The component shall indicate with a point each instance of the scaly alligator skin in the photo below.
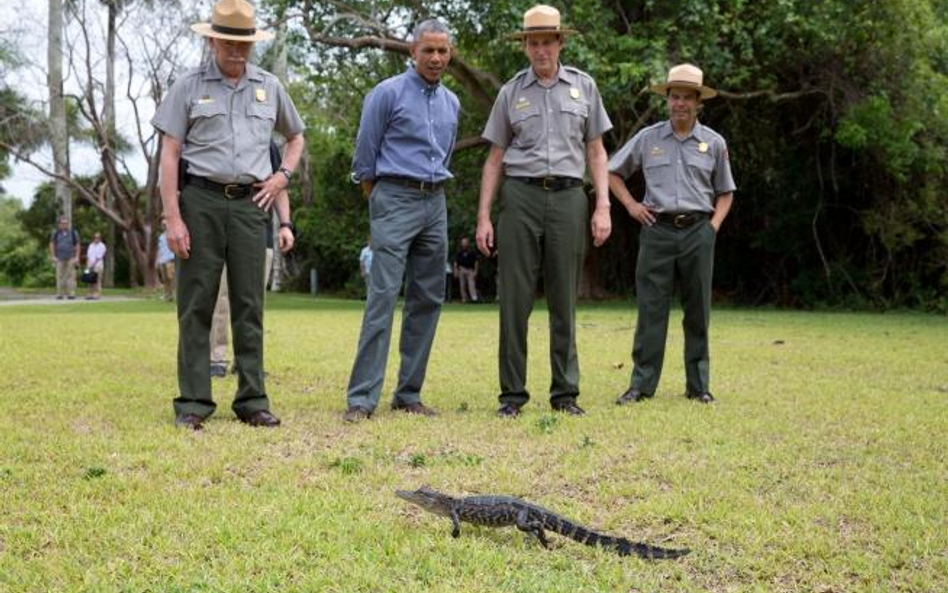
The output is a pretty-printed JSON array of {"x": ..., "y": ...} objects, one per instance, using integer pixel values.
[{"x": 503, "y": 511}]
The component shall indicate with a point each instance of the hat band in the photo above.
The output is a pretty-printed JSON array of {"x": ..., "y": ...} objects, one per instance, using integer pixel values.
[
  {"x": 233, "y": 30},
  {"x": 541, "y": 29}
]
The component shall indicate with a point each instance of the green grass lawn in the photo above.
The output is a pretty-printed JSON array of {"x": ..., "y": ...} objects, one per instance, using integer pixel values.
[{"x": 821, "y": 468}]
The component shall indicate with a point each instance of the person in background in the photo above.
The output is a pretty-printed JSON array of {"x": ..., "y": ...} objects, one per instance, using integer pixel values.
[
  {"x": 465, "y": 270},
  {"x": 64, "y": 250},
  {"x": 95, "y": 262},
  {"x": 165, "y": 264}
]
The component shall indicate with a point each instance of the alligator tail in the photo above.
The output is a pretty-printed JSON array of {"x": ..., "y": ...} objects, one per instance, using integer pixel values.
[{"x": 620, "y": 545}]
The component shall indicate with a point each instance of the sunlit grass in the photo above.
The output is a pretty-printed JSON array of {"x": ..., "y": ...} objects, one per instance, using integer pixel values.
[{"x": 821, "y": 468}]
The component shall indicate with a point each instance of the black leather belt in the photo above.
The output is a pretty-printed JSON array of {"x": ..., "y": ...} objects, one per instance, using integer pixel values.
[
  {"x": 231, "y": 191},
  {"x": 551, "y": 183},
  {"x": 426, "y": 186},
  {"x": 681, "y": 220}
]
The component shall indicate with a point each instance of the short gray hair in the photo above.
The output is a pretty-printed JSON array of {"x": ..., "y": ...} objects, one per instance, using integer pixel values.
[{"x": 431, "y": 26}]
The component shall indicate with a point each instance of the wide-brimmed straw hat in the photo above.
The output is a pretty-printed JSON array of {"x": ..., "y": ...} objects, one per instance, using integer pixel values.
[
  {"x": 685, "y": 76},
  {"x": 539, "y": 20},
  {"x": 232, "y": 20}
]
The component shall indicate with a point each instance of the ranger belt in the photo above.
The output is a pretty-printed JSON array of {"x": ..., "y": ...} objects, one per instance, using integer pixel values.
[
  {"x": 231, "y": 191},
  {"x": 681, "y": 220},
  {"x": 551, "y": 183},
  {"x": 426, "y": 186}
]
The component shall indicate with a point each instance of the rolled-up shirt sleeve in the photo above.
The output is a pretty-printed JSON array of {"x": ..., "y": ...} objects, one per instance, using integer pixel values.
[
  {"x": 375, "y": 112},
  {"x": 628, "y": 160},
  {"x": 498, "y": 130},
  {"x": 171, "y": 117},
  {"x": 723, "y": 179}
]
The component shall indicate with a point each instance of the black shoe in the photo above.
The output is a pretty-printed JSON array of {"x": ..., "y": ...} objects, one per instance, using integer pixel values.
[
  {"x": 704, "y": 398},
  {"x": 509, "y": 411},
  {"x": 569, "y": 406},
  {"x": 218, "y": 369},
  {"x": 59, "y": 297},
  {"x": 261, "y": 418},
  {"x": 631, "y": 396},
  {"x": 356, "y": 414},
  {"x": 189, "y": 421}
]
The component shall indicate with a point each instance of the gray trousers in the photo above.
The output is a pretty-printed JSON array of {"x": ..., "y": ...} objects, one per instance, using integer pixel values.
[
  {"x": 409, "y": 240},
  {"x": 65, "y": 278}
]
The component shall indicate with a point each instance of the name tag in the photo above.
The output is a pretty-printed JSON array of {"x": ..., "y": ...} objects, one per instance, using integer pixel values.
[
  {"x": 205, "y": 100},
  {"x": 522, "y": 103}
]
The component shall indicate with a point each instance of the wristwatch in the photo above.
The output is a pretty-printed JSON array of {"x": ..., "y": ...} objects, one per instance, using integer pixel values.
[
  {"x": 287, "y": 173},
  {"x": 288, "y": 225}
]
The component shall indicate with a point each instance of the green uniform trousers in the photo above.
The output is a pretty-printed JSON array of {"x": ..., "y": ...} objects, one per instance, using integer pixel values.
[
  {"x": 232, "y": 232},
  {"x": 667, "y": 253},
  {"x": 539, "y": 231}
]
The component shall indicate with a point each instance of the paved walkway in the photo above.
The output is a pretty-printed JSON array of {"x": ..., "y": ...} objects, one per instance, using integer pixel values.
[{"x": 9, "y": 297}]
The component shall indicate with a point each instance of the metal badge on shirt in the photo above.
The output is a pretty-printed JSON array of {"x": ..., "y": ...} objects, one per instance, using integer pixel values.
[
  {"x": 260, "y": 95},
  {"x": 703, "y": 147}
]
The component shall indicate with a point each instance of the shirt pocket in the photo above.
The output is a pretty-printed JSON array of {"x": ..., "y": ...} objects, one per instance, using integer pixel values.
[
  {"x": 261, "y": 118},
  {"x": 700, "y": 168},
  {"x": 527, "y": 127},
  {"x": 658, "y": 171},
  {"x": 574, "y": 116},
  {"x": 207, "y": 123}
]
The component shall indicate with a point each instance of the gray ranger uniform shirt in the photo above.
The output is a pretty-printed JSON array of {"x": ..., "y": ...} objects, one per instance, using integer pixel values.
[
  {"x": 545, "y": 130},
  {"x": 224, "y": 129},
  {"x": 680, "y": 175}
]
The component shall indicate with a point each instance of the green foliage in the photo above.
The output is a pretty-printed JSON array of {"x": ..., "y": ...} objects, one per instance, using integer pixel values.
[
  {"x": 836, "y": 116},
  {"x": 21, "y": 258}
]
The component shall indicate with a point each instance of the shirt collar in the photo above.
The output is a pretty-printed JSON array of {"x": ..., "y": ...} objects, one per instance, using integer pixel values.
[
  {"x": 251, "y": 72},
  {"x": 697, "y": 131},
  {"x": 421, "y": 83},
  {"x": 561, "y": 74}
]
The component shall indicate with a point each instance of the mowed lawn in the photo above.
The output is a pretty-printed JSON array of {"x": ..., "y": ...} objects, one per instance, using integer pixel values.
[{"x": 821, "y": 468}]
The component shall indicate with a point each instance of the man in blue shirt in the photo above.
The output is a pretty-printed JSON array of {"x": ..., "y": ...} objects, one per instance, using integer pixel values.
[{"x": 403, "y": 149}]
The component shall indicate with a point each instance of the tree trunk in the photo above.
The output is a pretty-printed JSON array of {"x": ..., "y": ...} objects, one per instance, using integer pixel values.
[
  {"x": 108, "y": 279},
  {"x": 279, "y": 70},
  {"x": 57, "y": 107}
]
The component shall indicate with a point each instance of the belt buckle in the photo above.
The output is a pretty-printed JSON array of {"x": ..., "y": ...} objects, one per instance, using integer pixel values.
[
  {"x": 424, "y": 186},
  {"x": 548, "y": 183},
  {"x": 680, "y": 221},
  {"x": 228, "y": 188}
]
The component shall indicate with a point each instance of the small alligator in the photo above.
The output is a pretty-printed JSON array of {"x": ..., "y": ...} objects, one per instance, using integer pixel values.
[{"x": 503, "y": 511}]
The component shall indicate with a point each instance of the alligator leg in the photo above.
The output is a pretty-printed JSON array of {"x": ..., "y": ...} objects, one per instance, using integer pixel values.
[
  {"x": 456, "y": 524},
  {"x": 534, "y": 528}
]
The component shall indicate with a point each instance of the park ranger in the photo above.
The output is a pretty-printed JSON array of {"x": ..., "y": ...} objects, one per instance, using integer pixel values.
[
  {"x": 219, "y": 118},
  {"x": 545, "y": 127},
  {"x": 688, "y": 193}
]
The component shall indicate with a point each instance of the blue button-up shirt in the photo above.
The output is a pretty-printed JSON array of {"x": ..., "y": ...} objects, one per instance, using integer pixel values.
[{"x": 407, "y": 129}]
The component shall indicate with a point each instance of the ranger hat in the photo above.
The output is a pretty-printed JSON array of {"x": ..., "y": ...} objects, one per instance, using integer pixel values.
[
  {"x": 539, "y": 20},
  {"x": 232, "y": 20},
  {"x": 685, "y": 76}
]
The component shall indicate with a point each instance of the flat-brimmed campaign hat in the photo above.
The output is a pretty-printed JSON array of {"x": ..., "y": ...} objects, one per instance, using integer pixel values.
[
  {"x": 685, "y": 76},
  {"x": 539, "y": 20},
  {"x": 232, "y": 20}
]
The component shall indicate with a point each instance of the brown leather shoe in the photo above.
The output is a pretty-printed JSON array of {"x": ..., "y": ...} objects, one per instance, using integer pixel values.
[
  {"x": 570, "y": 407},
  {"x": 189, "y": 421},
  {"x": 261, "y": 418},
  {"x": 415, "y": 408},
  {"x": 632, "y": 396},
  {"x": 704, "y": 398},
  {"x": 509, "y": 411},
  {"x": 356, "y": 414}
]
